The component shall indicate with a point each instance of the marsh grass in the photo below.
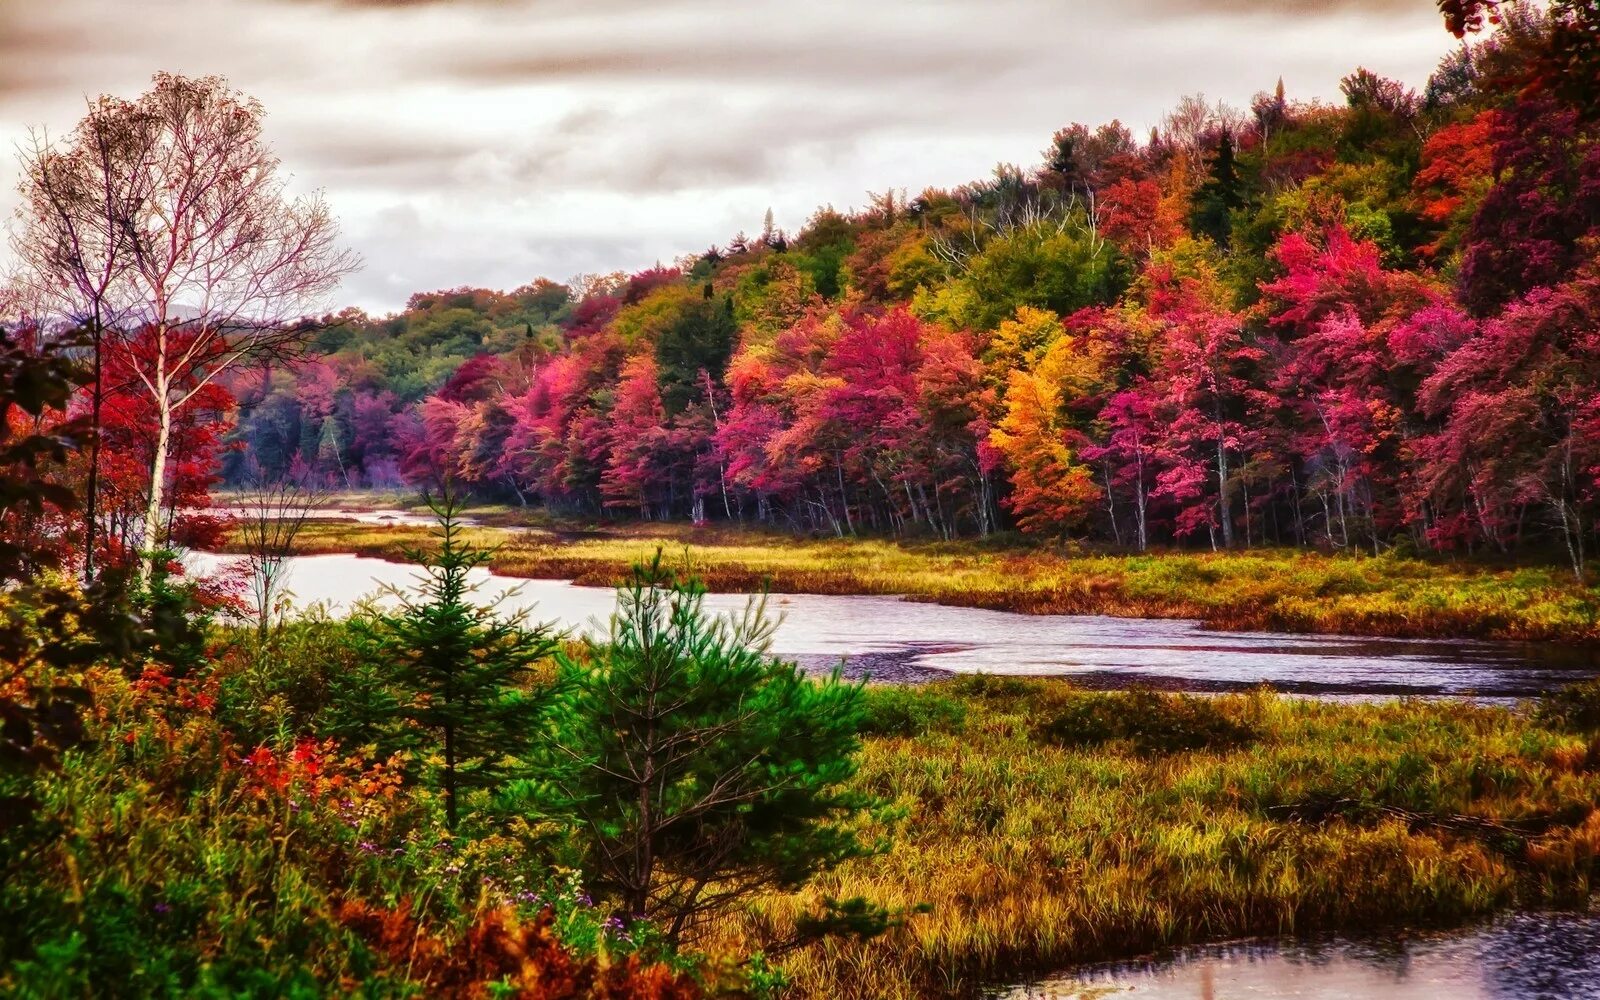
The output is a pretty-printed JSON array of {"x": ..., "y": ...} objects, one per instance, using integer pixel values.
[
  {"x": 1035, "y": 855},
  {"x": 1266, "y": 590}
]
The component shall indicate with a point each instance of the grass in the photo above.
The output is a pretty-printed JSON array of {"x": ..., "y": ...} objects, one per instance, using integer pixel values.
[
  {"x": 1037, "y": 848},
  {"x": 1266, "y": 590}
]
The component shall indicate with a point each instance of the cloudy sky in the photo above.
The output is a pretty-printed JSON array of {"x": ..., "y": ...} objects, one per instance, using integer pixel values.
[{"x": 488, "y": 142}]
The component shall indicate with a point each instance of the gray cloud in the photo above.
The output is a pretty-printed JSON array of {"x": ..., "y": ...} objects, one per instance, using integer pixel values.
[
  {"x": 489, "y": 141},
  {"x": 1280, "y": 8}
]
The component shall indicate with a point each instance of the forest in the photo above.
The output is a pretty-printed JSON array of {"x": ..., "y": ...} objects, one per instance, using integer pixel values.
[
  {"x": 1361, "y": 339},
  {"x": 1354, "y": 327}
]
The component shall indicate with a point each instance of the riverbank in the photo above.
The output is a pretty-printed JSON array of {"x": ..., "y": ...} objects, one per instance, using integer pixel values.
[
  {"x": 1259, "y": 590},
  {"x": 1045, "y": 827}
]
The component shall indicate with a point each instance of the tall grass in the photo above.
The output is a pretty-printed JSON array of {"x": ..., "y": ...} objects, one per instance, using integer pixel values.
[{"x": 1035, "y": 852}]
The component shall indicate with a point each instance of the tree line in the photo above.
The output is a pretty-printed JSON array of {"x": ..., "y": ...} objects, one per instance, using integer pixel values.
[{"x": 1352, "y": 326}]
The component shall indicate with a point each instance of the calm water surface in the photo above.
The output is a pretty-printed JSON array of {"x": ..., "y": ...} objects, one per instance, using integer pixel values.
[
  {"x": 387, "y": 517},
  {"x": 1528, "y": 956},
  {"x": 895, "y": 639}
]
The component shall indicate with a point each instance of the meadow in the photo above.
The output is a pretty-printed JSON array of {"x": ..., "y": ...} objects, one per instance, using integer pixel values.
[
  {"x": 1286, "y": 590},
  {"x": 1043, "y": 827}
]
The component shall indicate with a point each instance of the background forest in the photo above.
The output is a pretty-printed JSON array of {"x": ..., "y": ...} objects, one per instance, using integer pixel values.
[{"x": 1354, "y": 327}]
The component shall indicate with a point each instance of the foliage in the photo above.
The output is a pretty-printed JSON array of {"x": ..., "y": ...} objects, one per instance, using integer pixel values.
[
  {"x": 1151, "y": 723},
  {"x": 1233, "y": 334},
  {"x": 49, "y": 630},
  {"x": 186, "y": 864}
]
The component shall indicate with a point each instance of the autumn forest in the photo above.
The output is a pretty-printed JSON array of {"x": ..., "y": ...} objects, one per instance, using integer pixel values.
[
  {"x": 1349, "y": 327},
  {"x": 1166, "y": 566}
]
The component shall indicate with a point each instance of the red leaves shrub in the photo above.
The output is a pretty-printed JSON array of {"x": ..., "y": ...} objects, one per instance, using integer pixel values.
[{"x": 501, "y": 955}]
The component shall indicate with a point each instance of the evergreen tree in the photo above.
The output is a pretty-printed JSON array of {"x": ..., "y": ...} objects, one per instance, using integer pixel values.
[
  {"x": 700, "y": 339},
  {"x": 700, "y": 769},
  {"x": 1217, "y": 198},
  {"x": 457, "y": 674}
]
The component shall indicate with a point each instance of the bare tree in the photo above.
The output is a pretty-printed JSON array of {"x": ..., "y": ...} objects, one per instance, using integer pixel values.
[
  {"x": 223, "y": 264},
  {"x": 270, "y": 516},
  {"x": 72, "y": 249}
]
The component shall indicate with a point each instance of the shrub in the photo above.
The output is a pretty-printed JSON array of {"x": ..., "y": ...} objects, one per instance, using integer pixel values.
[
  {"x": 993, "y": 686},
  {"x": 272, "y": 686},
  {"x": 1575, "y": 708},
  {"x": 1152, "y": 723},
  {"x": 894, "y": 710}
]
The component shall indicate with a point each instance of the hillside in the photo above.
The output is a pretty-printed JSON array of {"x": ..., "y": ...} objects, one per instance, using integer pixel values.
[{"x": 1354, "y": 327}]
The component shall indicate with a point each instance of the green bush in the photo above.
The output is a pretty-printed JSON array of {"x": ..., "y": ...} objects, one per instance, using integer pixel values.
[
  {"x": 907, "y": 712},
  {"x": 1152, "y": 723},
  {"x": 270, "y": 688},
  {"x": 1575, "y": 708},
  {"x": 993, "y": 686}
]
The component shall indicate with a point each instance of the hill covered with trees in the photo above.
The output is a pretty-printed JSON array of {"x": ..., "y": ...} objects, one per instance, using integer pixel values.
[{"x": 1353, "y": 326}]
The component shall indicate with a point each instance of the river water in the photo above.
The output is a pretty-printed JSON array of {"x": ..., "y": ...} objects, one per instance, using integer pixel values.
[
  {"x": 890, "y": 638},
  {"x": 1526, "y": 956},
  {"x": 386, "y": 517}
]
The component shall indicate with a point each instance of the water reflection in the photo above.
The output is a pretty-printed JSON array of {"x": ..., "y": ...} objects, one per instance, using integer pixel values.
[
  {"x": 1530, "y": 956},
  {"x": 895, "y": 639},
  {"x": 386, "y": 516}
]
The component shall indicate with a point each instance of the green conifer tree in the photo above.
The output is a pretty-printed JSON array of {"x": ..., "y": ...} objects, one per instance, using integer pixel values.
[
  {"x": 457, "y": 673},
  {"x": 1217, "y": 198},
  {"x": 700, "y": 769}
]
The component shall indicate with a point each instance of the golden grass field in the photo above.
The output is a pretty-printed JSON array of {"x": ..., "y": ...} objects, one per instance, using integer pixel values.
[{"x": 1033, "y": 855}]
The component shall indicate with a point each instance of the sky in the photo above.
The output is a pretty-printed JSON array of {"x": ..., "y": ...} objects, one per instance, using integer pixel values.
[{"x": 489, "y": 142}]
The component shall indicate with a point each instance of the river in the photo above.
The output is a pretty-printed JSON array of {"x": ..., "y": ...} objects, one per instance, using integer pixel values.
[
  {"x": 1525, "y": 956},
  {"x": 890, "y": 638}
]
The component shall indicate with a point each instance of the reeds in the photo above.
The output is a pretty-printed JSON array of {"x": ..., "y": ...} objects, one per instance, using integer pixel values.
[{"x": 1034, "y": 855}]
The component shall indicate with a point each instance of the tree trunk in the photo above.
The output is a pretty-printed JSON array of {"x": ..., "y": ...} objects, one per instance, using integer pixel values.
[
  {"x": 91, "y": 491},
  {"x": 1111, "y": 506},
  {"x": 844, "y": 498},
  {"x": 450, "y": 777},
  {"x": 1141, "y": 504},
  {"x": 1225, "y": 512},
  {"x": 158, "y": 477}
]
